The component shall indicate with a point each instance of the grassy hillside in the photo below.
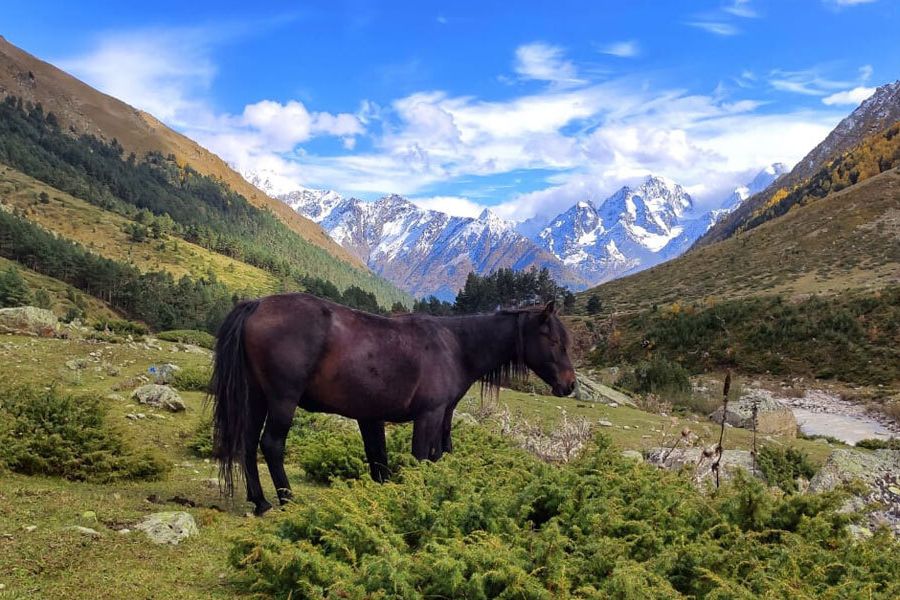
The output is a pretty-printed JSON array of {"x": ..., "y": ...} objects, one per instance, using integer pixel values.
[
  {"x": 849, "y": 239},
  {"x": 106, "y": 234},
  {"x": 84, "y": 110},
  {"x": 45, "y": 560},
  {"x": 166, "y": 198}
]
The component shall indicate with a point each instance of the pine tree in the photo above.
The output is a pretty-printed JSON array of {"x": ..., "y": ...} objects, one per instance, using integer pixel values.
[{"x": 14, "y": 289}]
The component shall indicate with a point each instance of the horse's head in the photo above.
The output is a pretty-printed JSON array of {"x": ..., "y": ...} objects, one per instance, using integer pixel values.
[{"x": 546, "y": 350}]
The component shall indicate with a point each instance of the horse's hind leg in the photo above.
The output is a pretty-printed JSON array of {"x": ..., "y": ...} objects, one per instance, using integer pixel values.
[
  {"x": 251, "y": 443},
  {"x": 376, "y": 450},
  {"x": 278, "y": 423},
  {"x": 427, "y": 431}
]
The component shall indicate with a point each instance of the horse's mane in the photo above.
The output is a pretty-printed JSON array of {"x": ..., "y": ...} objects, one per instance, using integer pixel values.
[{"x": 514, "y": 369}]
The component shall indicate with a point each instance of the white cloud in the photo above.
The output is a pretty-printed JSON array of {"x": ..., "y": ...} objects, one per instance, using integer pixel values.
[
  {"x": 626, "y": 49},
  {"x": 849, "y": 2},
  {"x": 852, "y": 97},
  {"x": 452, "y": 205},
  {"x": 865, "y": 73},
  {"x": 808, "y": 82},
  {"x": 716, "y": 27},
  {"x": 543, "y": 62},
  {"x": 741, "y": 8}
]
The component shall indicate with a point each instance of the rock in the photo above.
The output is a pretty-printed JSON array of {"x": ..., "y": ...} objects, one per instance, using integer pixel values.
[
  {"x": 603, "y": 423},
  {"x": 878, "y": 471},
  {"x": 772, "y": 417},
  {"x": 159, "y": 396},
  {"x": 169, "y": 527},
  {"x": 588, "y": 390},
  {"x": 165, "y": 373},
  {"x": 701, "y": 465},
  {"x": 84, "y": 530},
  {"x": 77, "y": 364},
  {"x": 115, "y": 397},
  {"x": 633, "y": 455},
  {"x": 29, "y": 320},
  {"x": 30, "y": 528},
  {"x": 124, "y": 531}
]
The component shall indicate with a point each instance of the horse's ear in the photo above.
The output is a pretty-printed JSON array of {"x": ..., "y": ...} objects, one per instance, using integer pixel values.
[{"x": 549, "y": 309}]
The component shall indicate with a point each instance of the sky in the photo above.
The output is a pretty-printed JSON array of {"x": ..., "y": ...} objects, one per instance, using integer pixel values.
[{"x": 524, "y": 107}]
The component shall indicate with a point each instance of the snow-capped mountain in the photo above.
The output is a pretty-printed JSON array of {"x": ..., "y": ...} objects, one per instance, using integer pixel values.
[
  {"x": 637, "y": 228},
  {"x": 424, "y": 251},
  {"x": 626, "y": 231}
]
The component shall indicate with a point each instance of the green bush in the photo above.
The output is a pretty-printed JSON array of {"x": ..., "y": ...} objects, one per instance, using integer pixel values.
[
  {"x": 45, "y": 432},
  {"x": 189, "y": 336},
  {"x": 491, "y": 521},
  {"x": 877, "y": 444},
  {"x": 327, "y": 455},
  {"x": 782, "y": 466},
  {"x": 201, "y": 444},
  {"x": 192, "y": 379},
  {"x": 655, "y": 376},
  {"x": 121, "y": 327}
]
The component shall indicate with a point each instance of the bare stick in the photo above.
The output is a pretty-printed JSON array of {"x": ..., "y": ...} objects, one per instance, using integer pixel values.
[{"x": 719, "y": 449}]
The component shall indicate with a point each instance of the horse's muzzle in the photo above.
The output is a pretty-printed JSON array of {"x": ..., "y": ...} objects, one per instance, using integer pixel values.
[{"x": 565, "y": 389}]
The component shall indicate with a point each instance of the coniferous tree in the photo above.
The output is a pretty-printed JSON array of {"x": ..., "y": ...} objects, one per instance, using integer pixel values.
[{"x": 14, "y": 290}]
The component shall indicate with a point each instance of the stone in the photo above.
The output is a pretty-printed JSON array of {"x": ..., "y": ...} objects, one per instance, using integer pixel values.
[
  {"x": 159, "y": 396},
  {"x": 700, "y": 465},
  {"x": 165, "y": 373},
  {"x": 30, "y": 528},
  {"x": 588, "y": 390},
  {"x": 169, "y": 527},
  {"x": 115, "y": 397},
  {"x": 878, "y": 471},
  {"x": 29, "y": 320},
  {"x": 84, "y": 530},
  {"x": 633, "y": 455},
  {"x": 603, "y": 423},
  {"x": 772, "y": 417}
]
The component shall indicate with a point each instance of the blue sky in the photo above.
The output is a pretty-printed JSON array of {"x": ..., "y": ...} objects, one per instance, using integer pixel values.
[{"x": 526, "y": 107}]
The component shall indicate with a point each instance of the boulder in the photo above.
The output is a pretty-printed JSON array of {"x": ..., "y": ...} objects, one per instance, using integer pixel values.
[
  {"x": 165, "y": 373},
  {"x": 588, "y": 390},
  {"x": 700, "y": 465},
  {"x": 878, "y": 471},
  {"x": 169, "y": 527},
  {"x": 159, "y": 396},
  {"x": 772, "y": 417},
  {"x": 29, "y": 320}
]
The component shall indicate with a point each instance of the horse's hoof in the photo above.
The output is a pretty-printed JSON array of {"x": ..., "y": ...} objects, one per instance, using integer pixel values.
[{"x": 262, "y": 509}]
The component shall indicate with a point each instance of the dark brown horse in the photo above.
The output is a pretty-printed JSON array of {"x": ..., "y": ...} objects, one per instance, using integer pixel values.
[{"x": 289, "y": 350}]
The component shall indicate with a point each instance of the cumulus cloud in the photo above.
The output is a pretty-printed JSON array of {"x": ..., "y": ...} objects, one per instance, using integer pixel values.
[
  {"x": 285, "y": 125},
  {"x": 452, "y": 205},
  {"x": 851, "y": 97}
]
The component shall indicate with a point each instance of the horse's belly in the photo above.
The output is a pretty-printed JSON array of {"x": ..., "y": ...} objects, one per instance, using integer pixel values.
[{"x": 361, "y": 391}]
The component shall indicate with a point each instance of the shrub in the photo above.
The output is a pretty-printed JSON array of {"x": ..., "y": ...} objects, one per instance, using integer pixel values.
[
  {"x": 655, "y": 376},
  {"x": 49, "y": 433},
  {"x": 192, "y": 379},
  {"x": 201, "y": 444},
  {"x": 491, "y": 521},
  {"x": 877, "y": 444},
  {"x": 782, "y": 466},
  {"x": 189, "y": 336},
  {"x": 121, "y": 327},
  {"x": 327, "y": 455}
]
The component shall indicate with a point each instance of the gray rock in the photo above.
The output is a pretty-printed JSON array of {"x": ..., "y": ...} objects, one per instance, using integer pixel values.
[
  {"x": 159, "y": 396},
  {"x": 165, "y": 373},
  {"x": 604, "y": 423},
  {"x": 29, "y": 320},
  {"x": 772, "y": 417},
  {"x": 700, "y": 466},
  {"x": 84, "y": 530},
  {"x": 878, "y": 471},
  {"x": 169, "y": 527},
  {"x": 588, "y": 390},
  {"x": 633, "y": 455}
]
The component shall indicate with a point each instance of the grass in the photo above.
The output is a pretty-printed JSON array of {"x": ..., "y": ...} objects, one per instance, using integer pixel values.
[
  {"x": 104, "y": 233},
  {"x": 52, "y": 563}
]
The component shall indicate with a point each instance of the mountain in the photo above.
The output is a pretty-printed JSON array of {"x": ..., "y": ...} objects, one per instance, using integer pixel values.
[
  {"x": 848, "y": 239},
  {"x": 875, "y": 114},
  {"x": 637, "y": 228},
  {"x": 86, "y": 110},
  {"x": 422, "y": 251}
]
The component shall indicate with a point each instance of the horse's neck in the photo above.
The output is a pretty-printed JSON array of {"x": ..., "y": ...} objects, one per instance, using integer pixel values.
[{"x": 487, "y": 341}]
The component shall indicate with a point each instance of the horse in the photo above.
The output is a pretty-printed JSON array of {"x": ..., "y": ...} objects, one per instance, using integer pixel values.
[{"x": 279, "y": 352}]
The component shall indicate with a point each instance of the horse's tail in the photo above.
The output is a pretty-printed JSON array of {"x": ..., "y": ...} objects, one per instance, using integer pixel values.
[{"x": 230, "y": 386}]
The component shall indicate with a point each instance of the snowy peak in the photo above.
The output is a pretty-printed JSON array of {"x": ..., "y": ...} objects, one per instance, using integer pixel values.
[
  {"x": 763, "y": 179},
  {"x": 493, "y": 222}
]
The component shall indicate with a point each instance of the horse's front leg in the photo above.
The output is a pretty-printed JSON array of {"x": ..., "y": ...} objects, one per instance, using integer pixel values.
[
  {"x": 376, "y": 449},
  {"x": 427, "y": 432}
]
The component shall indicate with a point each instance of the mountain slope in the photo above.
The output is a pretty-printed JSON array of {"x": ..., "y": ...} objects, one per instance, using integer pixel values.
[
  {"x": 847, "y": 239},
  {"x": 423, "y": 251},
  {"x": 875, "y": 114},
  {"x": 89, "y": 111}
]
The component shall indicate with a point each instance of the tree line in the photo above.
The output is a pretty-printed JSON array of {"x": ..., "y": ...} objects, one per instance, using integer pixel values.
[{"x": 504, "y": 288}]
